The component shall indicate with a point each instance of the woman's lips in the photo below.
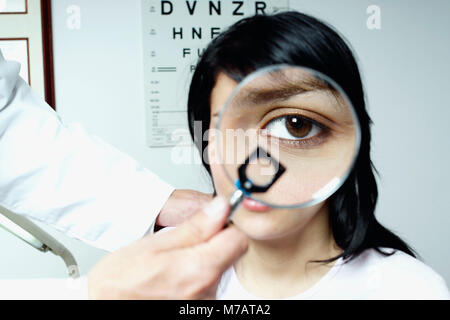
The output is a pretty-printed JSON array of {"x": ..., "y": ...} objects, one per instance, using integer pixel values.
[{"x": 253, "y": 205}]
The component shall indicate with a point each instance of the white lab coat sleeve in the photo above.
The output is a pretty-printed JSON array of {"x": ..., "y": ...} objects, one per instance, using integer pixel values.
[{"x": 66, "y": 178}]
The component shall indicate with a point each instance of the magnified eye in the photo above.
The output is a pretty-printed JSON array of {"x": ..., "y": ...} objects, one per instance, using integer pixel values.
[{"x": 292, "y": 127}]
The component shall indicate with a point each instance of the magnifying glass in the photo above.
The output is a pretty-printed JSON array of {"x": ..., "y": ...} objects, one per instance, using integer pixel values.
[{"x": 287, "y": 137}]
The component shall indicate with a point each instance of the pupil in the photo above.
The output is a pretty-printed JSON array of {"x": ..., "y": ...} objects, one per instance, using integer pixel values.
[{"x": 297, "y": 126}]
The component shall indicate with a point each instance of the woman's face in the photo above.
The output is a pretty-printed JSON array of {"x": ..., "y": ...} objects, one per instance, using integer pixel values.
[{"x": 314, "y": 160}]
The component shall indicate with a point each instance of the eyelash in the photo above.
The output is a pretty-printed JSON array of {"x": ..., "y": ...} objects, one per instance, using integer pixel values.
[{"x": 302, "y": 143}]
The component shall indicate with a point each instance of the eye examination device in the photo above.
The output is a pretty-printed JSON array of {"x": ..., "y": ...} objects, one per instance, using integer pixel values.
[
  {"x": 32, "y": 234},
  {"x": 287, "y": 137}
]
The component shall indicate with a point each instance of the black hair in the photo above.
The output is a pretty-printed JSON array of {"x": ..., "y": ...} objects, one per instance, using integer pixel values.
[{"x": 298, "y": 39}]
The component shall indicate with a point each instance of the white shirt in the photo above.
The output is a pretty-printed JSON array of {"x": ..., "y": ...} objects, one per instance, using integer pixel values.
[
  {"x": 66, "y": 178},
  {"x": 370, "y": 276}
]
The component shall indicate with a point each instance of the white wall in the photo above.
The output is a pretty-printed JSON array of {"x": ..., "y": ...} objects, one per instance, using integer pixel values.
[{"x": 98, "y": 71}]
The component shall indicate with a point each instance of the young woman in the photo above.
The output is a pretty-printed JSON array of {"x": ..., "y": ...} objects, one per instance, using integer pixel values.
[{"x": 336, "y": 248}]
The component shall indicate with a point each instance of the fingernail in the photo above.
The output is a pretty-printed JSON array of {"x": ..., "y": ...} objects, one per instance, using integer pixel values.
[{"x": 215, "y": 209}]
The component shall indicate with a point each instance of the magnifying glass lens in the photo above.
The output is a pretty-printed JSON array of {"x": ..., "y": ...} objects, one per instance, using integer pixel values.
[{"x": 288, "y": 136}]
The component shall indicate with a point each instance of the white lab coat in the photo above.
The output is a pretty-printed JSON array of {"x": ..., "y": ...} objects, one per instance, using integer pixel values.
[{"x": 64, "y": 177}]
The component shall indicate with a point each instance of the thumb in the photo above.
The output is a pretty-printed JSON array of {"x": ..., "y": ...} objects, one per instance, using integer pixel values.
[{"x": 197, "y": 229}]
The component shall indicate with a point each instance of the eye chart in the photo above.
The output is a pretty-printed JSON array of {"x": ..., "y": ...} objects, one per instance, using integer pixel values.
[{"x": 175, "y": 34}]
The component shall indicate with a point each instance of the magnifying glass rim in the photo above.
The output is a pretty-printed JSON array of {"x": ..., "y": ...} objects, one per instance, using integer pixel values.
[{"x": 249, "y": 78}]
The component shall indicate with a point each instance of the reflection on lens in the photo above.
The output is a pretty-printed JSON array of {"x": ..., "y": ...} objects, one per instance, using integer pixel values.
[{"x": 303, "y": 120}]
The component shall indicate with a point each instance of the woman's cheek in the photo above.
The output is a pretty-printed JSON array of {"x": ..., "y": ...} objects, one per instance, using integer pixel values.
[
  {"x": 219, "y": 180},
  {"x": 222, "y": 185}
]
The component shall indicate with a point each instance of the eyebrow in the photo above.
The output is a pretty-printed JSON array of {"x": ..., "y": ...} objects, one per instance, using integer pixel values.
[{"x": 279, "y": 92}]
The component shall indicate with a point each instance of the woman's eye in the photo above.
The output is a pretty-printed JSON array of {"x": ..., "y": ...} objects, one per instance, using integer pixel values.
[{"x": 292, "y": 127}]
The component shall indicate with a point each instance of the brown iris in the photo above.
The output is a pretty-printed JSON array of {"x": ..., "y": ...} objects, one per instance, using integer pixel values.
[{"x": 298, "y": 126}]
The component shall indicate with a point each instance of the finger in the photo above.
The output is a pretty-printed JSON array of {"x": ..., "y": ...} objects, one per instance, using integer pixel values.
[
  {"x": 181, "y": 205},
  {"x": 224, "y": 249},
  {"x": 197, "y": 229}
]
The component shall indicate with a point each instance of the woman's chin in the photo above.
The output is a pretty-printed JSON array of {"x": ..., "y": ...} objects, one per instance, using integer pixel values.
[{"x": 262, "y": 225}]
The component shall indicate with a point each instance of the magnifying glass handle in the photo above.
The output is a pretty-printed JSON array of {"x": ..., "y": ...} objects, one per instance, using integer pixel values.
[{"x": 235, "y": 200}]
